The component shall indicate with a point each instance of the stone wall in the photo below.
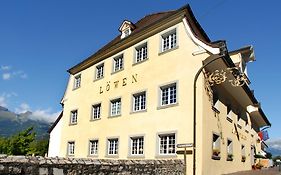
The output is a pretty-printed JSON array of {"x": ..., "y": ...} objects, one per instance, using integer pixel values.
[{"x": 22, "y": 165}]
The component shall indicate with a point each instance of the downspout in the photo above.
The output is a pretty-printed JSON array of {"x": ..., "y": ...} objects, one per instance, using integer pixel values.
[{"x": 209, "y": 60}]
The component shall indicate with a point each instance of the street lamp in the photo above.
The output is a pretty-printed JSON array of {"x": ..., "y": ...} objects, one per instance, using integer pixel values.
[{"x": 215, "y": 78}]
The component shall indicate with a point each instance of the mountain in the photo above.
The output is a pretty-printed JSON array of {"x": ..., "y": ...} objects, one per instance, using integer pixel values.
[
  {"x": 274, "y": 151},
  {"x": 12, "y": 123}
]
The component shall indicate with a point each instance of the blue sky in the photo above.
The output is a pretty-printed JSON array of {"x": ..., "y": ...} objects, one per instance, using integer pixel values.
[{"x": 40, "y": 40}]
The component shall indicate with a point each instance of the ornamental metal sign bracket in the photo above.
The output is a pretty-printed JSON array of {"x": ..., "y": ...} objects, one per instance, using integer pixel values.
[{"x": 219, "y": 76}]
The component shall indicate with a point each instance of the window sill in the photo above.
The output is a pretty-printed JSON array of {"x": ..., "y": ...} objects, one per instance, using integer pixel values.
[
  {"x": 96, "y": 119},
  {"x": 72, "y": 124},
  {"x": 137, "y": 63},
  {"x": 97, "y": 79},
  {"x": 169, "y": 50},
  {"x": 136, "y": 156},
  {"x": 75, "y": 88},
  {"x": 117, "y": 71},
  {"x": 166, "y": 156},
  {"x": 214, "y": 157},
  {"x": 93, "y": 156},
  {"x": 239, "y": 126},
  {"x": 114, "y": 116},
  {"x": 215, "y": 110},
  {"x": 112, "y": 156},
  {"x": 140, "y": 111},
  {"x": 229, "y": 119},
  {"x": 167, "y": 106},
  {"x": 229, "y": 159}
]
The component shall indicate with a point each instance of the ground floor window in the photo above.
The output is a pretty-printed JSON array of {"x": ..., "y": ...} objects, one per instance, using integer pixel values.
[
  {"x": 229, "y": 150},
  {"x": 216, "y": 150},
  {"x": 112, "y": 146},
  {"x": 167, "y": 144},
  {"x": 137, "y": 145},
  {"x": 243, "y": 153},
  {"x": 70, "y": 148},
  {"x": 94, "y": 147}
]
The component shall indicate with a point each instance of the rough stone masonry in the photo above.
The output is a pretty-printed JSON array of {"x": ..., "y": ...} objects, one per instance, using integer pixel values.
[{"x": 27, "y": 165}]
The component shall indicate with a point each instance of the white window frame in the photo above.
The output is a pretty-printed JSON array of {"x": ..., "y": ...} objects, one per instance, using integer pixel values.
[
  {"x": 118, "y": 63},
  {"x": 112, "y": 146},
  {"x": 168, "y": 145},
  {"x": 139, "y": 101},
  {"x": 229, "y": 147},
  {"x": 93, "y": 147},
  {"x": 216, "y": 144},
  {"x": 114, "y": 107},
  {"x": 141, "y": 53},
  {"x": 243, "y": 150},
  {"x": 100, "y": 71},
  {"x": 70, "y": 148},
  {"x": 168, "y": 87},
  {"x": 171, "y": 40},
  {"x": 96, "y": 111},
  {"x": 74, "y": 116},
  {"x": 139, "y": 146},
  {"x": 77, "y": 81}
]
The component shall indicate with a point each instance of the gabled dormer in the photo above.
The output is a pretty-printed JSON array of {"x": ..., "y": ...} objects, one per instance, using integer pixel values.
[{"x": 126, "y": 28}]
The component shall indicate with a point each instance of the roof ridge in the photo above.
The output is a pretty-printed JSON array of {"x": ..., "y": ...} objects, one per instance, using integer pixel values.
[{"x": 156, "y": 13}]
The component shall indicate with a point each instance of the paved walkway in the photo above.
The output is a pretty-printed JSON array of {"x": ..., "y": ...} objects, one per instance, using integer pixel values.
[{"x": 269, "y": 171}]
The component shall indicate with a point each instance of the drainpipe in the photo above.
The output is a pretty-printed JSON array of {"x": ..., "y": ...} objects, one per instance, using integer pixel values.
[{"x": 209, "y": 60}]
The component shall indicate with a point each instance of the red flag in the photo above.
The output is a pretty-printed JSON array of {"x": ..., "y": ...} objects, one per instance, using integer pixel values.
[{"x": 260, "y": 135}]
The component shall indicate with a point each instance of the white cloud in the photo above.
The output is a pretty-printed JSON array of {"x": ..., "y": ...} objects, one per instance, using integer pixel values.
[
  {"x": 23, "y": 76},
  {"x": 6, "y": 76},
  {"x": 24, "y": 107},
  {"x": 3, "y": 101},
  {"x": 4, "y": 97},
  {"x": 8, "y": 73},
  {"x": 45, "y": 115},
  {"x": 38, "y": 114},
  {"x": 5, "y": 68},
  {"x": 276, "y": 143}
]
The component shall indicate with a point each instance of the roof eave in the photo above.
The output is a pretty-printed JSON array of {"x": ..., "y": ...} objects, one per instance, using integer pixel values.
[{"x": 98, "y": 56}]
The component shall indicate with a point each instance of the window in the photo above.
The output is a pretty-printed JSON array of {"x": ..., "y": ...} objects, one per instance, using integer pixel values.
[
  {"x": 73, "y": 117},
  {"x": 94, "y": 147},
  {"x": 70, "y": 148},
  {"x": 229, "y": 150},
  {"x": 167, "y": 144},
  {"x": 216, "y": 147},
  {"x": 137, "y": 145},
  {"x": 118, "y": 63},
  {"x": 169, "y": 40},
  {"x": 168, "y": 94},
  {"x": 112, "y": 147},
  {"x": 115, "y": 107},
  {"x": 243, "y": 153},
  {"x": 139, "y": 102},
  {"x": 99, "y": 71},
  {"x": 141, "y": 53},
  {"x": 228, "y": 108},
  {"x": 127, "y": 32},
  {"x": 77, "y": 81},
  {"x": 229, "y": 113},
  {"x": 96, "y": 110},
  {"x": 216, "y": 102}
]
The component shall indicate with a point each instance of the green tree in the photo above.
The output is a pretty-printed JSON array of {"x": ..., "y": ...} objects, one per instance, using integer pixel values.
[
  {"x": 4, "y": 143},
  {"x": 38, "y": 147},
  {"x": 19, "y": 143}
]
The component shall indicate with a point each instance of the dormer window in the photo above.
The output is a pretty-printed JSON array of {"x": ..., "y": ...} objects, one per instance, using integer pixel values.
[
  {"x": 127, "y": 32},
  {"x": 126, "y": 28}
]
